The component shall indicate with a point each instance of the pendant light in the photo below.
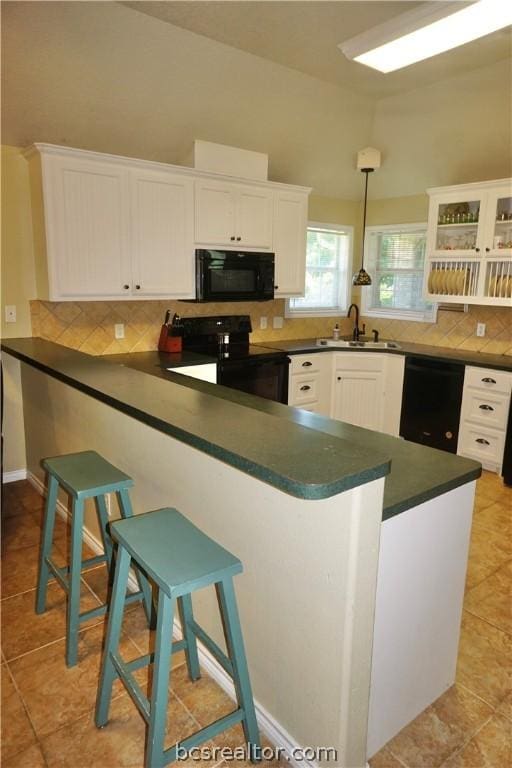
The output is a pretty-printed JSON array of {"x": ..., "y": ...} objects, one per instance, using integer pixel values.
[{"x": 367, "y": 161}]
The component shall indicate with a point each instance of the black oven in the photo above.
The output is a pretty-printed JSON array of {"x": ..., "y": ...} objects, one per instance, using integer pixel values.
[
  {"x": 240, "y": 365},
  {"x": 263, "y": 376},
  {"x": 234, "y": 275}
]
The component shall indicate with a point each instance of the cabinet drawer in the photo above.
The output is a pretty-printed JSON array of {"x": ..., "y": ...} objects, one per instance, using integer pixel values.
[
  {"x": 303, "y": 389},
  {"x": 485, "y": 445},
  {"x": 359, "y": 361},
  {"x": 486, "y": 408},
  {"x": 305, "y": 363},
  {"x": 488, "y": 380}
]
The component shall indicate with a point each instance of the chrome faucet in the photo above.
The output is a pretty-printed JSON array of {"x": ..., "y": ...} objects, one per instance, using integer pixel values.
[{"x": 356, "y": 332}]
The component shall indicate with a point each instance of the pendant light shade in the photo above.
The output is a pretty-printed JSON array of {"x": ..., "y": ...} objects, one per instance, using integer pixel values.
[
  {"x": 362, "y": 278},
  {"x": 365, "y": 158}
]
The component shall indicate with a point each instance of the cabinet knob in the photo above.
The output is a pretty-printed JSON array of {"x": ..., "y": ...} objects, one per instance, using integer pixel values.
[
  {"x": 487, "y": 250},
  {"x": 276, "y": 287},
  {"x": 239, "y": 238},
  {"x": 138, "y": 287},
  {"x": 488, "y": 380},
  {"x": 306, "y": 364},
  {"x": 232, "y": 237},
  {"x": 339, "y": 378},
  {"x": 485, "y": 407},
  {"x": 305, "y": 388},
  {"x": 477, "y": 250},
  {"x": 126, "y": 286},
  {"x": 482, "y": 441}
]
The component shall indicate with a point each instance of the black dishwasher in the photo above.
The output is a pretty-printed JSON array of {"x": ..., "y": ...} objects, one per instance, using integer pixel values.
[{"x": 431, "y": 402}]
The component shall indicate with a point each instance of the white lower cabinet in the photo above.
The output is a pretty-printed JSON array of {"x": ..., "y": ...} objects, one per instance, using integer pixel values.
[
  {"x": 484, "y": 414},
  {"x": 367, "y": 390},
  {"x": 360, "y": 388},
  {"x": 309, "y": 384}
]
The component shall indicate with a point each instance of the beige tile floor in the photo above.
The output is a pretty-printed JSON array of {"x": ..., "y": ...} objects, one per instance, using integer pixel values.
[{"x": 47, "y": 709}]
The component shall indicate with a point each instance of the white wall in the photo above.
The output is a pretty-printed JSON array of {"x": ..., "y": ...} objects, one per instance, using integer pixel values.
[{"x": 453, "y": 132}]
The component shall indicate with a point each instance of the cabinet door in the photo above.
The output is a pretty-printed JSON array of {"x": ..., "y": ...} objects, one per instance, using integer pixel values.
[
  {"x": 162, "y": 234},
  {"x": 456, "y": 224},
  {"x": 86, "y": 209},
  {"x": 215, "y": 213},
  {"x": 290, "y": 224},
  {"x": 498, "y": 230},
  {"x": 358, "y": 391},
  {"x": 254, "y": 217}
]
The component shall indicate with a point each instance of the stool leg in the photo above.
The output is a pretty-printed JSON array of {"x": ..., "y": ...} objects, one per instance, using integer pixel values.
[
  {"x": 186, "y": 616},
  {"x": 115, "y": 620},
  {"x": 160, "y": 687},
  {"x": 46, "y": 543},
  {"x": 101, "y": 509},
  {"x": 125, "y": 506},
  {"x": 235, "y": 645},
  {"x": 75, "y": 570}
]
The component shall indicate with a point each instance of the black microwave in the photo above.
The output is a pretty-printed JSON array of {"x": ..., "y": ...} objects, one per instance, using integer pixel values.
[{"x": 234, "y": 275}]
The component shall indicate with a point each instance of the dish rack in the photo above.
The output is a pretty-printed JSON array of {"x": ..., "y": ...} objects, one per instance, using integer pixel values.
[
  {"x": 498, "y": 280},
  {"x": 453, "y": 278}
]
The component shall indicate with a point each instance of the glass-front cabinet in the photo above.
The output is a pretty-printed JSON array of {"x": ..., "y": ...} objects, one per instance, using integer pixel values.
[{"x": 469, "y": 244}]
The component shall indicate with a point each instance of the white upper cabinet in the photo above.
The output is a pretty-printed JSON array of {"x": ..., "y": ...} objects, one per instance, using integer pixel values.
[
  {"x": 162, "y": 234},
  {"x": 233, "y": 215},
  {"x": 290, "y": 230},
  {"x": 87, "y": 217},
  {"x": 469, "y": 244},
  {"x": 109, "y": 227}
]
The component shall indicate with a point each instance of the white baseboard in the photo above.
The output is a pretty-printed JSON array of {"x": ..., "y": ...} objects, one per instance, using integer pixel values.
[
  {"x": 268, "y": 725},
  {"x": 14, "y": 475}
]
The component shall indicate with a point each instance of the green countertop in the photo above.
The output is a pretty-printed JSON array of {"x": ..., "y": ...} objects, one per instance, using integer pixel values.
[
  {"x": 463, "y": 356},
  {"x": 274, "y": 442},
  {"x": 275, "y": 450}
]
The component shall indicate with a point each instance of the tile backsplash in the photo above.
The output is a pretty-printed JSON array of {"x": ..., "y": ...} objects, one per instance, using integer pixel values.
[{"x": 89, "y": 325}]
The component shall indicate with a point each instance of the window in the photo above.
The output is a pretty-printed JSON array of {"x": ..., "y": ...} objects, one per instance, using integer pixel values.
[
  {"x": 328, "y": 272},
  {"x": 395, "y": 257}
]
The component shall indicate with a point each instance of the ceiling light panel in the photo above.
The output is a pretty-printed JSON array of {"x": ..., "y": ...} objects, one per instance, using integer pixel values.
[{"x": 434, "y": 37}]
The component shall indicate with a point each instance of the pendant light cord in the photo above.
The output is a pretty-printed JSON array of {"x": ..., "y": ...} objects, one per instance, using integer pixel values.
[{"x": 365, "y": 171}]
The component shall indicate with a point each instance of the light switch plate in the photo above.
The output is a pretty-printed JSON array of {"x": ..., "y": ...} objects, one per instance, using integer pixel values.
[
  {"x": 10, "y": 313},
  {"x": 277, "y": 322},
  {"x": 119, "y": 330},
  {"x": 480, "y": 329},
  {"x": 263, "y": 323}
]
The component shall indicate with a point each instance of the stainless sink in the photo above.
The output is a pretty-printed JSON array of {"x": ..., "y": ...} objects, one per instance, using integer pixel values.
[{"x": 357, "y": 344}]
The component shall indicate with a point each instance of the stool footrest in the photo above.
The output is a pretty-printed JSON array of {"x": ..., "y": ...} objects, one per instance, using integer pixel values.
[
  {"x": 132, "y": 685},
  {"x": 212, "y": 646},
  {"x": 93, "y": 613},
  {"x": 148, "y": 658},
  {"x": 96, "y": 560},
  {"x": 205, "y": 734}
]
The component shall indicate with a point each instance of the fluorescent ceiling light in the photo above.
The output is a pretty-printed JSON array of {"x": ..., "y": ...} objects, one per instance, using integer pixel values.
[{"x": 421, "y": 33}]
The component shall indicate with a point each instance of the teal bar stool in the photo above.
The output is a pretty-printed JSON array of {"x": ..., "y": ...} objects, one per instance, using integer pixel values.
[
  {"x": 83, "y": 475},
  {"x": 180, "y": 559}
]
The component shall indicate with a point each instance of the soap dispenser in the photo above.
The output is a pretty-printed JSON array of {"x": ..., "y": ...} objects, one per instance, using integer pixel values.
[{"x": 336, "y": 332}]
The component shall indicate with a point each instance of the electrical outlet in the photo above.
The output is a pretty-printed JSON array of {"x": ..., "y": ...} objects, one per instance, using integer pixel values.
[
  {"x": 480, "y": 329},
  {"x": 119, "y": 330},
  {"x": 277, "y": 322},
  {"x": 10, "y": 313},
  {"x": 263, "y": 323}
]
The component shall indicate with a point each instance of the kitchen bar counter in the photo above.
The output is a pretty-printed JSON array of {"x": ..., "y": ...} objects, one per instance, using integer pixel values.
[
  {"x": 231, "y": 429},
  {"x": 418, "y": 473},
  {"x": 302, "y": 453},
  {"x": 466, "y": 357}
]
